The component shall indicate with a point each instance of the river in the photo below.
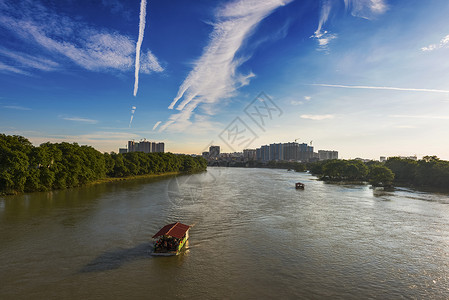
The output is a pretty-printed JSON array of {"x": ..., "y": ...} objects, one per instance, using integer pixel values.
[{"x": 254, "y": 236}]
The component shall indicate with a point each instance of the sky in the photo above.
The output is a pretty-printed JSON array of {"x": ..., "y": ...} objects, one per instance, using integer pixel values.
[{"x": 367, "y": 78}]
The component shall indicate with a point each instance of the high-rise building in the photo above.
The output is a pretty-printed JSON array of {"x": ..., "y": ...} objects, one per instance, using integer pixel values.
[
  {"x": 131, "y": 146},
  {"x": 249, "y": 154},
  {"x": 160, "y": 147},
  {"x": 145, "y": 146},
  {"x": 258, "y": 154},
  {"x": 265, "y": 153},
  {"x": 276, "y": 152},
  {"x": 326, "y": 154},
  {"x": 305, "y": 152},
  {"x": 291, "y": 151},
  {"x": 214, "y": 151}
]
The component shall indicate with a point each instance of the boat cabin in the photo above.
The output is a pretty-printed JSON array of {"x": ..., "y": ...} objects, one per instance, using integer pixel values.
[
  {"x": 299, "y": 186},
  {"x": 170, "y": 239}
]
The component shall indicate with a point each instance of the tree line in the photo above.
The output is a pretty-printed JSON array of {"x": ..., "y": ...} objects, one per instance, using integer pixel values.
[
  {"x": 26, "y": 168},
  {"x": 354, "y": 170},
  {"x": 430, "y": 171}
]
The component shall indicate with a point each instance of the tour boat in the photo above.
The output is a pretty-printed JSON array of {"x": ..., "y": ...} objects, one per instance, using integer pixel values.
[
  {"x": 299, "y": 186},
  {"x": 170, "y": 239}
]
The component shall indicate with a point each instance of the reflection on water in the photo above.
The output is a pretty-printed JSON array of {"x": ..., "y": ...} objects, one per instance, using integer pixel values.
[{"x": 255, "y": 236}]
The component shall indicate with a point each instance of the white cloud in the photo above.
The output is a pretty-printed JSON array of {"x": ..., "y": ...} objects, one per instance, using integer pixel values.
[
  {"x": 381, "y": 88},
  {"x": 296, "y": 102},
  {"x": 322, "y": 36},
  {"x": 317, "y": 117},
  {"x": 30, "y": 61},
  {"x": 82, "y": 120},
  {"x": 10, "y": 69},
  {"x": 326, "y": 6},
  {"x": 235, "y": 23},
  {"x": 366, "y": 9},
  {"x": 90, "y": 48},
  {"x": 16, "y": 107},
  {"x": 444, "y": 43},
  {"x": 307, "y": 98},
  {"x": 150, "y": 63}
]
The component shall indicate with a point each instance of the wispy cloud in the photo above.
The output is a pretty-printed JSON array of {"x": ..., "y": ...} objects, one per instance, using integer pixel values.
[
  {"x": 367, "y": 9},
  {"x": 133, "y": 110},
  {"x": 381, "y": 88},
  {"x": 29, "y": 61},
  {"x": 156, "y": 125},
  {"x": 444, "y": 43},
  {"x": 143, "y": 13},
  {"x": 322, "y": 36},
  {"x": 234, "y": 24},
  {"x": 296, "y": 102},
  {"x": 317, "y": 117},
  {"x": 81, "y": 120},
  {"x": 16, "y": 107},
  {"x": 429, "y": 117},
  {"x": 63, "y": 37},
  {"x": 300, "y": 102},
  {"x": 10, "y": 69}
]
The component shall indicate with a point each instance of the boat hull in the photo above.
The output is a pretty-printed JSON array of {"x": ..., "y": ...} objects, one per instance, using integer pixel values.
[{"x": 173, "y": 253}]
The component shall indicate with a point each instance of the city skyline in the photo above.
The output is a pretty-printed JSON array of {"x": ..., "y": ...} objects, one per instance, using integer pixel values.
[{"x": 366, "y": 78}]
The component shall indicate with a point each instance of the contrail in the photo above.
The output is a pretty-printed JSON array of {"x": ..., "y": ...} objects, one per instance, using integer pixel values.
[
  {"x": 143, "y": 12},
  {"x": 156, "y": 125},
  {"x": 133, "y": 110},
  {"x": 381, "y": 88}
]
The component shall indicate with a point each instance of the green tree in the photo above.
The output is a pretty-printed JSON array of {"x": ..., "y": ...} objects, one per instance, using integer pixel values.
[
  {"x": 405, "y": 170},
  {"x": 381, "y": 176}
]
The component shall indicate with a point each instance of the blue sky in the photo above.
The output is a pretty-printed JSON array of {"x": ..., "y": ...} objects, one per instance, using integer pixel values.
[{"x": 367, "y": 78}]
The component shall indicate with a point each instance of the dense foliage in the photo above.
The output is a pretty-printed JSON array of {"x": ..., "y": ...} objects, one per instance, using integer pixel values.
[
  {"x": 25, "y": 168},
  {"x": 427, "y": 172},
  {"x": 430, "y": 171},
  {"x": 340, "y": 170}
]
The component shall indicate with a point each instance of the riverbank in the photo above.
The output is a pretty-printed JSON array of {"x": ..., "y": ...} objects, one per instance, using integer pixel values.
[
  {"x": 134, "y": 177},
  {"x": 117, "y": 179}
]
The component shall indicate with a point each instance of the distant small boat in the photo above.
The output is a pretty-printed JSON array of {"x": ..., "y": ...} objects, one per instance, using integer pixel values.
[
  {"x": 299, "y": 186},
  {"x": 170, "y": 239}
]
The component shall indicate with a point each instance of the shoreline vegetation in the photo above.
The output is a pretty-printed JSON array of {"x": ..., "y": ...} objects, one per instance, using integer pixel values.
[
  {"x": 134, "y": 177},
  {"x": 56, "y": 166}
]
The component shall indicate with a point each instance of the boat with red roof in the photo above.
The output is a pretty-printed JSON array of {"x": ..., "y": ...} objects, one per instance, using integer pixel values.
[{"x": 170, "y": 239}]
